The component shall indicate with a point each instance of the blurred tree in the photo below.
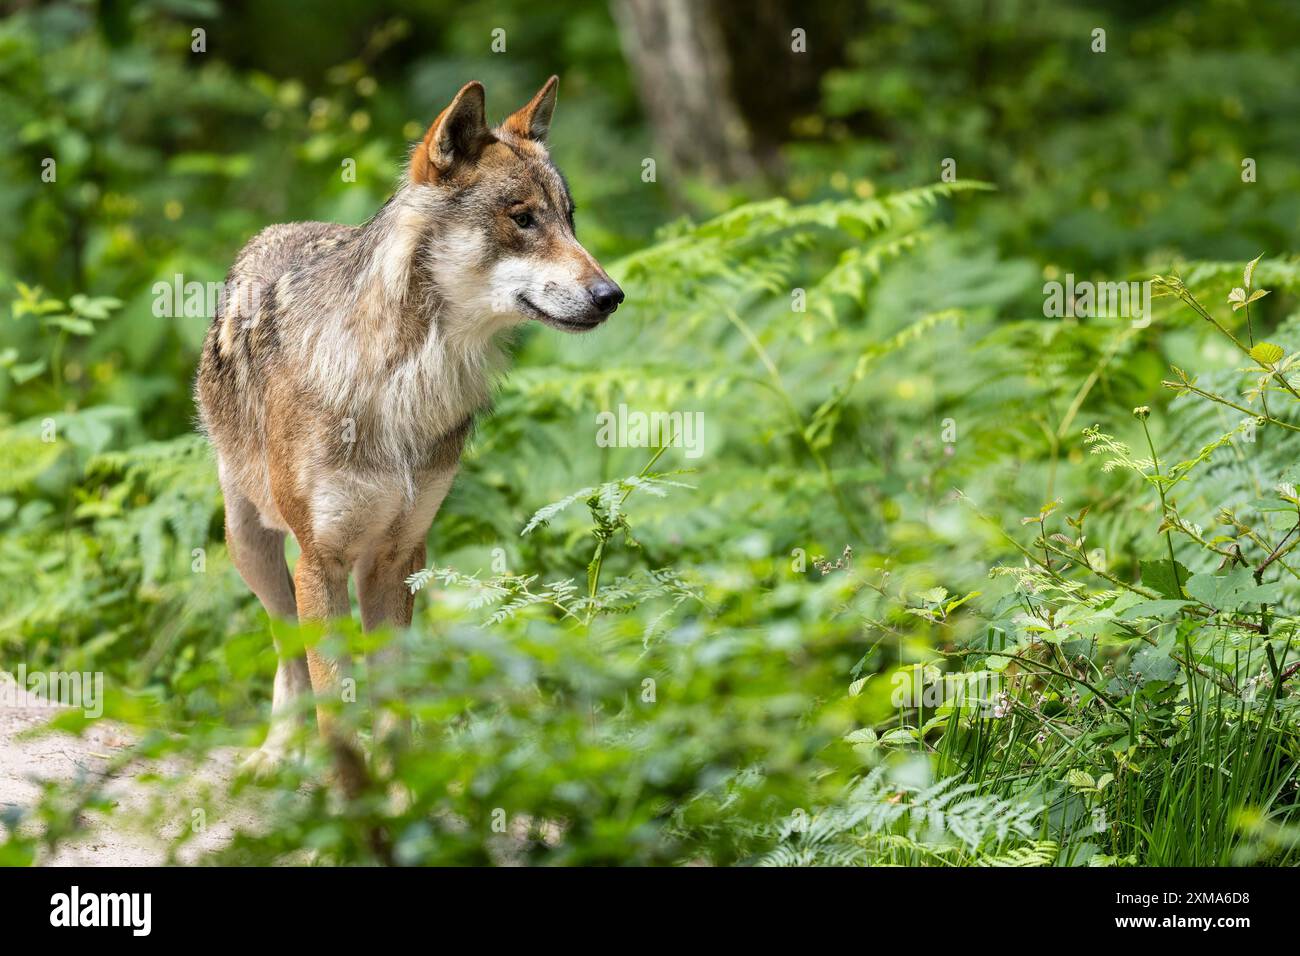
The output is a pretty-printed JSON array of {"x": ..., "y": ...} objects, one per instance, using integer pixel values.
[
  {"x": 779, "y": 52},
  {"x": 721, "y": 81},
  {"x": 683, "y": 71}
]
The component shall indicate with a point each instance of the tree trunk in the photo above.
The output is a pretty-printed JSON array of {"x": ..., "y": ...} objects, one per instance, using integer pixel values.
[
  {"x": 683, "y": 73},
  {"x": 723, "y": 82}
]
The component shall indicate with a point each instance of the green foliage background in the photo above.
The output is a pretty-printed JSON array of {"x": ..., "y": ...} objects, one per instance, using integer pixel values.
[{"x": 720, "y": 686}]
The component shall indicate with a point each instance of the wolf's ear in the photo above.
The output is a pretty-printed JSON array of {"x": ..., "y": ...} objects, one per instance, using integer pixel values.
[
  {"x": 458, "y": 135},
  {"x": 534, "y": 120}
]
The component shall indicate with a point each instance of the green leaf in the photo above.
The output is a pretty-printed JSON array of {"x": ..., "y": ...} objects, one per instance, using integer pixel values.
[
  {"x": 1154, "y": 663},
  {"x": 96, "y": 308},
  {"x": 1231, "y": 591},
  {"x": 900, "y": 735},
  {"x": 72, "y": 324},
  {"x": 27, "y": 371},
  {"x": 23, "y": 458},
  {"x": 865, "y": 741},
  {"x": 1080, "y": 779},
  {"x": 1159, "y": 577},
  {"x": 1161, "y": 608},
  {"x": 18, "y": 852},
  {"x": 1266, "y": 353},
  {"x": 958, "y": 602},
  {"x": 1250, "y": 270}
]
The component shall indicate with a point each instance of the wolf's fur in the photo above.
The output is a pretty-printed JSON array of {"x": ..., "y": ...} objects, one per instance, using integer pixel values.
[{"x": 341, "y": 375}]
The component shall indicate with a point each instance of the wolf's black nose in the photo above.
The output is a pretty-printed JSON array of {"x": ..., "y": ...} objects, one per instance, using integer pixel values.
[{"x": 606, "y": 296}]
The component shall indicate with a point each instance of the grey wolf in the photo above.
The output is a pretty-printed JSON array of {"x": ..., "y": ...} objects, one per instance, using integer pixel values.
[{"x": 345, "y": 365}]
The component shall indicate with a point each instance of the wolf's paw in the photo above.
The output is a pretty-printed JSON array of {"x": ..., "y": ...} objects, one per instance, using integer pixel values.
[{"x": 265, "y": 762}]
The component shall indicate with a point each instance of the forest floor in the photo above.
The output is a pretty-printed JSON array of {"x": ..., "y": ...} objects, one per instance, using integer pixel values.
[
  {"x": 32, "y": 759},
  {"x": 138, "y": 819}
]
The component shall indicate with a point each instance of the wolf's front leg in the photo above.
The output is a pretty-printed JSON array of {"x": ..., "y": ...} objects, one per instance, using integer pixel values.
[
  {"x": 387, "y": 601},
  {"x": 288, "y": 715},
  {"x": 321, "y": 589}
]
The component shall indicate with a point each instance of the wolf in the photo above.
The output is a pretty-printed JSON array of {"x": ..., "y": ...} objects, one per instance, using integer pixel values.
[{"x": 345, "y": 366}]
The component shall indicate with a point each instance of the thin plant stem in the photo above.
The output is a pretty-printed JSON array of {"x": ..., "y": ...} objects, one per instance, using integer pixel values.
[
  {"x": 1164, "y": 507},
  {"x": 796, "y": 419}
]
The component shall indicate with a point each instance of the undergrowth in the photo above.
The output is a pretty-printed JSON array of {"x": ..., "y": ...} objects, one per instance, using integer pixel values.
[{"x": 850, "y": 633}]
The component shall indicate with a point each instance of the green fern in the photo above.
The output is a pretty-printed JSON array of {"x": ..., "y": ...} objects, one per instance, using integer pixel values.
[
  {"x": 1035, "y": 854},
  {"x": 946, "y": 820}
]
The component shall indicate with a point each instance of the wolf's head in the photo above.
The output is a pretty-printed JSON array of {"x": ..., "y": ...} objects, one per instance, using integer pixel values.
[{"x": 507, "y": 247}]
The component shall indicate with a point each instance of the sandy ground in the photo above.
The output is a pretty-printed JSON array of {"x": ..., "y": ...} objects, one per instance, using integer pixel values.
[
  {"x": 145, "y": 817},
  {"x": 27, "y": 761}
]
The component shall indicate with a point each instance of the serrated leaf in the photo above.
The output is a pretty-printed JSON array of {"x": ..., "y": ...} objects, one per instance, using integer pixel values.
[
  {"x": 900, "y": 735},
  {"x": 1249, "y": 272},
  {"x": 1159, "y": 577},
  {"x": 1081, "y": 779},
  {"x": 1266, "y": 353},
  {"x": 1231, "y": 591}
]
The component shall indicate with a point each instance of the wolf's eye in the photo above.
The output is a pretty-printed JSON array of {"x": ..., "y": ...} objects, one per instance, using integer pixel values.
[{"x": 523, "y": 219}]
